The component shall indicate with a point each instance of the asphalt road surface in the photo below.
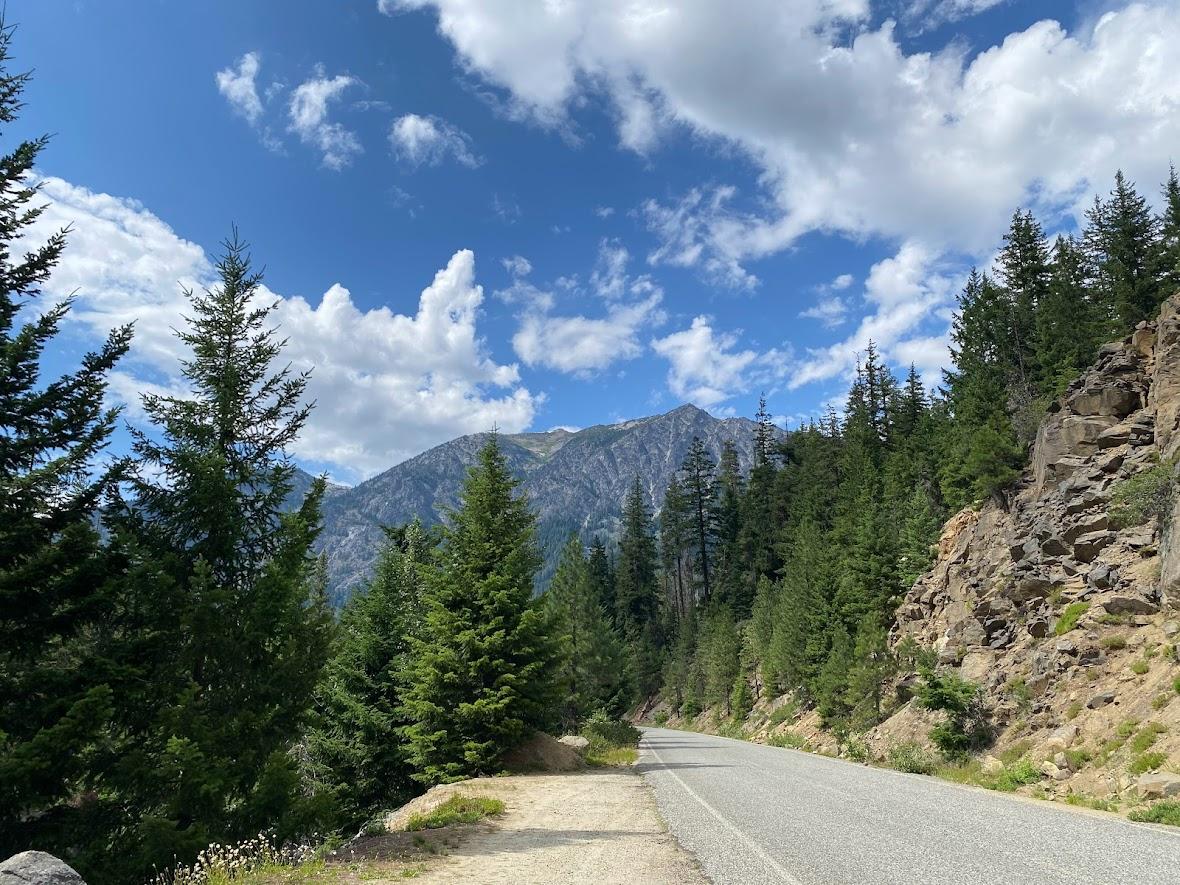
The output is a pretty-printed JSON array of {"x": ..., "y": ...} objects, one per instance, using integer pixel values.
[{"x": 757, "y": 814}]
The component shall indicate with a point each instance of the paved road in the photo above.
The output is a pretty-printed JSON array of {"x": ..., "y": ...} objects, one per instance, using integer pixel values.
[{"x": 756, "y": 814}]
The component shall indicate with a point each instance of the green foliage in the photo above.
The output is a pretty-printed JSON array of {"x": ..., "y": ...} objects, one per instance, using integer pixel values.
[
  {"x": 1010, "y": 777},
  {"x": 1069, "y": 618},
  {"x": 1145, "y": 762},
  {"x": 1146, "y": 496},
  {"x": 601, "y": 726},
  {"x": 964, "y": 727},
  {"x": 782, "y": 713},
  {"x": 789, "y": 740},
  {"x": 1140, "y": 667},
  {"x": 458, "y": 809},
  {"x": 1159, "y": 813},
  {"x": 1147, "y": 736},
  {"x": 482, "y": 673},
  {"x": 911, "y": 758},
  {"x": 353, "y": 744},
  {"x": 1114, "y": 643}
]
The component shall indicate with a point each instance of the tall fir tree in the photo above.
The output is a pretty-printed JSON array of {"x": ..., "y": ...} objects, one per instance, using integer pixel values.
[
  {"x": 243, "y": 631},
  {"x": 1122, "y": 240},
  {"x": 481, "y": 674},
  {"x": 1169, "y": 259},
  {"x": 637, "y": 597},
  {"x": 56, "y": 699},
  {"x": 698, "y": 481},
  {"x": 1070, "y": 324}
]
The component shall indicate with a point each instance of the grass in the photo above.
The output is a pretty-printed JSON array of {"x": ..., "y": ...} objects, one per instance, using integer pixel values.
[
  {"x": 912, "y": 758},
  {"x": 1147, "y": 736},
  {"x": 1078, "y": 758},
  {"x": 782, "y": 714},
  {"x": 1127, "y": 728},
  {"x": 1114, "y": 643},
  {"x": 1084, "y": 801},
  {"x": 1015, "y": 773},
  {"x": 1146, "y": 762},
  {"x": 1069, "y": 617},
  {"x": 1074, "y": 709},
  {"x": 1160, "y": 813},
  {"x": 459, "y": 809},
  {"x": 1176, "y": 685},
  {"x": 1140, "y": 667},
  {"x": 788, "y": 739},
  {"x": 1160, "y": 701},
  {"x": 610, "y": 757}
]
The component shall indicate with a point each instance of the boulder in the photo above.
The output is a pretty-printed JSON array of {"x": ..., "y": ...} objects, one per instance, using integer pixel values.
[
  {"x": 1038, "y": 627},
  {"x": 1158, "y": 785},
  {"x": 576, "y": 741},
  {"x": 1100, "y": 700},
  {"x": 1102, "y": 577},
  {"x": 38, "y": 868},
  {"x": 1094, "y": 522},
  {"x": 1065, "y": 734},
  {"x": 1129, "y": 604},
  {"x": 1066, "y": 647},
  {"x": 991, "y": 765},
  {"x": 1048, "y": 769},
  {"x": 1171, "y": 628},
  {"x": 1087, "y": 547},
  {"x": 1108, "y": 400},
  {"x": 1114, "y": 437}
]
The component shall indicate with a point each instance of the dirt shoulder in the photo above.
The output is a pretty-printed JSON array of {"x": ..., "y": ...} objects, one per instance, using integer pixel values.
[{"x": 596, "y": 826}]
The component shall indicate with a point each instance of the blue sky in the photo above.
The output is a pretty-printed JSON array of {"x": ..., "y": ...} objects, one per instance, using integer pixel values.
[{"x": 628, "y": 204}]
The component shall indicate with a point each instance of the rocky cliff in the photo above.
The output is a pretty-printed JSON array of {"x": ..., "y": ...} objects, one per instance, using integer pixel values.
[{"x": 1010, "y": 579}]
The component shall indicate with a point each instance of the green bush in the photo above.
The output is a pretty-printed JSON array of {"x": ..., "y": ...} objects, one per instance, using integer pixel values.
[
  {"x": 1147, "y": 736},
  {"x": 1015, "y": 775},
  {"x": 1069, "y": 617},
  {"x": 1114, "y": 643},
  {"x": 964, "y": 727},
  {"x": 788, "y": 739},
  {"x": 782, "y": 714},
  {"x": 1145, "y": 496},
  {"x": 607, "y": 735},
  {"x": 856, "y": 749},
  {"x": 911, "y": 757},
  {"x": 1140, "y": 667},
  {"x": 1176, "y": 685},
  {"x": 661, "y": 718},
  {"x": 1160, "y": 813}
]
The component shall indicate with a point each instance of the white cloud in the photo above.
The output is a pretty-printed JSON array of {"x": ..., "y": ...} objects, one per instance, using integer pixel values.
[
  {"x": 517, "y": 266},
  {"x": 604, "y": 212},
  {"x": 387, "y": 385},
  {"x": 579, "y": 344},
  {"x": 308, "y": 114},
  {"x": 831, "y": 311},
  {"x": 904, "y": 291},
  {"x": 429, "y": 141},
  {"x": 240, "y": 88},
  {"x": 706, "y": 369},
  {"x": 840, "y": 283},
  {"x": 851, "y": 135},
  {"x": 927, "y": 14}
]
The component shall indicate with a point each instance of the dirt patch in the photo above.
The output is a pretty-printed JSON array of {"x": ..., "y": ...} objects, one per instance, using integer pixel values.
[{"x": 596, "y": 826}]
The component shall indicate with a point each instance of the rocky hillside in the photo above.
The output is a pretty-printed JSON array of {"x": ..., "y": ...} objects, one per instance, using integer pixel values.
[
  {"x": 575, "y": 481},
  {"x": 1066, "y": 616}
]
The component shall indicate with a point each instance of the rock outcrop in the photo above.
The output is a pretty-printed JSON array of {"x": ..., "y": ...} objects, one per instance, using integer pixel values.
[
  {"x": 37, "y": 868},
  {"x": 1008, "y": 573}
]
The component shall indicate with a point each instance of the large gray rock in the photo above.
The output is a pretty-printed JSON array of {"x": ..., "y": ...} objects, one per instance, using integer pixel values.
[
  {"x": 1129, "y": 604},
  {"x": 1158, "y": 785},
  {"x": 38, "y": 868},
  {"x": 1107, "y": 400},
  {"x": 576, "y": 741}
]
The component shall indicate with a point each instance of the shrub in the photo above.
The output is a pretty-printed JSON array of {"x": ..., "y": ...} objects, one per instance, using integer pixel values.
[
  {"x": 911, "y": 757},
  {"x": 1127, "y": 728},
  {"x": 783, "y": 713},
  {"x": 1074, "y": 709},
  {"x": 1077, "y": 758},
  {"x": 1176, "y": 685},
  {"x": 856, "y": 749},
  {"x": 459, "y": 809},
  {"x": 1140, "y": 667},
  {"x": 1145, "y": 496},
  {"x": 1147, "y": 762},
  {"x": 1160, "y": 813},
  {"x": 964, "y": 727},
  {"x": 1160, "y": 701},
  {"x": 1015, "y": 775},
  {"x": 789, "y": 740},
  {"x": 1069, "y": 617},
  {"x": 1114, "y": 643},
  {"x": 661, "y": 718},
  {"x": 601, "y": 727}
]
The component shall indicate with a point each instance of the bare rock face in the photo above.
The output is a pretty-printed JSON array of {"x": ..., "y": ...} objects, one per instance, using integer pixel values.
[
  {"x": 38, "y": 868},
  {"x": 995, "y": 601}
]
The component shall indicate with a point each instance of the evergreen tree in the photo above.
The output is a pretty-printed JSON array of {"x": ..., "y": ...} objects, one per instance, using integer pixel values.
[
  {"x": 1170, "y": 236},
  {"x": 1122, "y": 240},
  {"x": 482, "y": 673},
  {"x": 1024, "y": 274},
  {"x": 675, "y": 535},
  {"x": 871, "y": 665},
  {"x": 721, "y": 658},
  {"x": 1069, "y": 323},
  {"x": 733, "y": 587},
  {"x": 636, "y": 589},
  {"x": 593, "y": 673},
  {"x": 238, "y": 606},
  {"x": 602, "y": 577},
  {"x": 699, "y": 484},
  {"x": 354, "y": 744},
  {"x": 56, "y": 700}
]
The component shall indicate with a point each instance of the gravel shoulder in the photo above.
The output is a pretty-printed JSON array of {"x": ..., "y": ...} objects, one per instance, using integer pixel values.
[{"x": 597, "y": 826}]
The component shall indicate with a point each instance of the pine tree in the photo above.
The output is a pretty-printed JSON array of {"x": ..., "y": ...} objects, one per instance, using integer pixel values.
[
  {"x": 720, "y": 664},
  {"x": 354, "y": 744},
  {"x": 1024, "y": 275},
  {"x": 481, "y": 675},
  {"x": 699, "y": 484},
  {"x": 637, "y": 596},
  {"x": 734, "y": 588},
  {"x": 675, "y": 533},
  {"x": 55, "y": 702},
  {"x": 1069, "y": 323},
  {"x": 602, "y": 577},
  {"x": 1170, "y": 236},
  {"x": 871, "y": 665},
  {"x": 1122, "y": 240},
  {"x": 593, "y": 672},
  {"x": 245, "y": 631}
]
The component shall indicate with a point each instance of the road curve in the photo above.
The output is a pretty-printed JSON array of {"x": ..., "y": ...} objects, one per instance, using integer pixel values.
[{"x": 756, "y": 814}]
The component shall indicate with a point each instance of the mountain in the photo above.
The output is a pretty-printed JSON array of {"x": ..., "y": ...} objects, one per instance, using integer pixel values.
[{"x": 575, "y": 481}]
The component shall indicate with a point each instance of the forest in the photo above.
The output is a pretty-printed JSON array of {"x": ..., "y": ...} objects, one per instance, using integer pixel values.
[{"x": 171, "y": 674}]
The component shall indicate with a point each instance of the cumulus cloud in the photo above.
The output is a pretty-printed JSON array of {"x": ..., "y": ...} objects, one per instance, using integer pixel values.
[
  {"x": 430, "y": 141},
  {"x": 831, "y": 311},
  {"x": 576, "y": 343},
  {"x": 851, "y": 134},
  {"x": 927, "y": 14},
  {"x": 387, "y": 385},
  {"x": 706, "y": 368},
  {"x": 903, "y": 291},
  {"x": 308, "y": 116},
  {"x": 239, "y": 86}
]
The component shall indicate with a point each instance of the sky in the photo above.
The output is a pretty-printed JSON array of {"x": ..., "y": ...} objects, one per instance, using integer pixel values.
[{"x": 529, "y": 214}]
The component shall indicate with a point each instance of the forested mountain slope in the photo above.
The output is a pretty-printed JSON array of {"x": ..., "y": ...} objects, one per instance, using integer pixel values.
[{"x": 575, "y": 481}]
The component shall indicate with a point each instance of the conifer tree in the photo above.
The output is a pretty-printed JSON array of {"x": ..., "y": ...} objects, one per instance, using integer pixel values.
[
  {"x": 1024, "y": 275},
  {"x": 700, "y": 492},
  {"x": 871, "y": 665},
  {"x": 1069, "y": 323},
  {"x": 244, "y": 629},
  {"x": 733, "y": 587},
  {"x": 637, "y": 597},
  {"x": 56, "y": 701},
  {"x": 481, "y": 674},
  {"x": 675, "y": 534},
  {"x": 602, "y": 577},
  {"x": 354, "y": 743},
  {"x": 1122, "y": 240},
  {"x": 1170, "y": 236},
  {"x": 593, "y": 672}
]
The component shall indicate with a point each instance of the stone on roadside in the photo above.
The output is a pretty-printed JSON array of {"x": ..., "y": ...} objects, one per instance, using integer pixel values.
[
  {"x": 1158, "y": 785},
  {"x": 38, "y": 868},
  {"x": 576, "y": 741}
]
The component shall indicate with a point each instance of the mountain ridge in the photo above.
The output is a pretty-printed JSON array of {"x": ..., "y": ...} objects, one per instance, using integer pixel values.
[{"x": 575, "y": 481}]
